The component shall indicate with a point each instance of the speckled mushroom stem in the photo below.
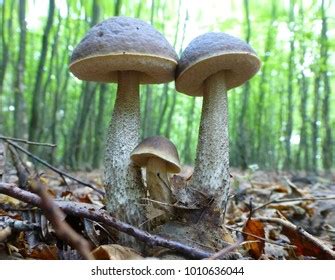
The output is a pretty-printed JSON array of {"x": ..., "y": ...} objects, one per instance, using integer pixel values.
[
  {"x": 123, "y": 183},
  {"x": 211, "y": 173}
]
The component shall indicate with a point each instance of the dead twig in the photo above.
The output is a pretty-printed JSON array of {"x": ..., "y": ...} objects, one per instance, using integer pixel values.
[
  {"x": 93, "y": 213},
  {"x": 56, "y": 216},
  {"x": 278, "y": 201},
  {"x": 226, "y": 250},
  {"x": 300, "y": 231},
  {"x": 58, "y": 171},
  {"x": 22, "y": 170},
  {"x": 27, "y": 141}
]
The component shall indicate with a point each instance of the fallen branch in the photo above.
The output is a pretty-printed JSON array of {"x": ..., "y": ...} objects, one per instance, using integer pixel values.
[
  {"x": 58, "y": 171},
  {"x": 56, "y": 217},
  {"x": 92, "y": 212},
  {"x": 27, "y": 141},
  {"x": 299, "y": 231}
]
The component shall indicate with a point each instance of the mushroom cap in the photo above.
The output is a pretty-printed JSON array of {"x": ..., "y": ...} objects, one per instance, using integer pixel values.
[
  {"x": 124, "y": 44},
  {"x": 213, "y": 52},
  {"x": 159, "y": 147}
]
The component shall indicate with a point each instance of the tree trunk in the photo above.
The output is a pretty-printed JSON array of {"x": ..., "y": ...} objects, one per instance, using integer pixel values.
[
  {"x": 99, "y": 128},
  {"x": 147, "y": 116},
  {"x": 20, "y": 122},
  {"x": 189, "y": 129},
  {"x": 243, "y": 137},
  {"x": 261, "y": 124},
  {"x": 290, "y": 107},
  {"x": 303, "y": 160},
  {"x": 327, "y": 156},
  {"x": 174, "y": 96},
  {"x": 37, "y": 91}
]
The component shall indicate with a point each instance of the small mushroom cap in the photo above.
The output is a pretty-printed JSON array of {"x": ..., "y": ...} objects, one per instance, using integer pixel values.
[
  {"x": 124, "y": 44},
  {"x": 160, "y": 147},
  {"x": 211, "y": 53}
]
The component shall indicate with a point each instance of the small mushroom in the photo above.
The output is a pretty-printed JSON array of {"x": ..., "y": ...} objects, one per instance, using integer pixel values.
[
  {"x": 160, "y": 157},
  {"x": 212, "y": 64},
  {"x": 128, "y": 52}
]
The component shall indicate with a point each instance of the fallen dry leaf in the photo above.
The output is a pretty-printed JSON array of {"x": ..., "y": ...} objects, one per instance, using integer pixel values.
[
  {"x": 42, "y": 252},
  {"x": 115, "y": 252},
  {"x": 256, "y": 228}
]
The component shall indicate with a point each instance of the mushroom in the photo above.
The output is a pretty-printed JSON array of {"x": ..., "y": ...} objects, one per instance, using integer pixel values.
[
  {"x": 128, "y": 52},
  {"x": 212, "y": 64},
  {"x": 159, "y": 156}
]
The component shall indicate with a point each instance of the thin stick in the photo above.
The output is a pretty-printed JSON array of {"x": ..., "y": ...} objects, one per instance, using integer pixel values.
[
  {"x": 276, "y": 201},
  {"x": 260, "y": 238},
  {"x": 55, "y": 215},
  {"x": 92, "y": 212},
  {"x": 58, "y": 171},
  {"x": 226, "y": 250},
  {"x": 27, "y": 141}
]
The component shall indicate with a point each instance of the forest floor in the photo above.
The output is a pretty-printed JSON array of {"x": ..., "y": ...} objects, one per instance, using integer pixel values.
[{"x": 270, "y": 215}]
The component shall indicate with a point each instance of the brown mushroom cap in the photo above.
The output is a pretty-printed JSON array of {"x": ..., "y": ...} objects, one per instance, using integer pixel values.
[
  {"x": 213, "y": 52},
  {"x": 160, "y": 147},
  {"x": 124, "y": 44}
]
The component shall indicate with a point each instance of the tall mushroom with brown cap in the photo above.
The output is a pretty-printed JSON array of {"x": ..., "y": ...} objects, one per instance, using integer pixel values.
[
  {"x": 128, "y": 52},
  {"x": 212, "y": 64},
  {"x": 159, "y": 156}
]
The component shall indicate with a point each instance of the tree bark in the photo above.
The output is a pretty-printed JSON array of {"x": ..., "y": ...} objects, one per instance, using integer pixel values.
[{"x": 20, "y": 122}]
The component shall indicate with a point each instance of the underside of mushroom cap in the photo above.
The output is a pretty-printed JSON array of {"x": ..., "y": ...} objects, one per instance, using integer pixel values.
[
  {"x": 124, "y": 44},
  {"x": 159, "y": 147},
  {"x": 211, "y": 53}
]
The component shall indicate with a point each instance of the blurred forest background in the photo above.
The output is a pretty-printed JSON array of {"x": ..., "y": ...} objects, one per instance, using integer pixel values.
[{"x": 281, "y": 119}]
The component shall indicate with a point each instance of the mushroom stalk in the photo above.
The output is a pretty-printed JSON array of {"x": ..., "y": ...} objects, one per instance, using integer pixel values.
[
  {"x": 123, "y": 183},
  {"x": 157, "y": 180},
  {"x": 211, "y": 172}
]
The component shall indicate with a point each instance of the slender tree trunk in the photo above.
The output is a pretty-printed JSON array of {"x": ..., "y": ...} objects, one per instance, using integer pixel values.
[
  {"x": 99, "y": 134},
  {"x": 84, "y": 108},
  {"x": 37, "y": 91},
  {"x": 5, "y": 38},
  {"x": 316, "y": 122},
  {"x": 46, "y": 120},
  {"x": 164, "y": 101},
  {"x": 189, "y": 129},
  {"x": 290, "y": 107},
  {"x": 327, "y": 150},
  {"x": 303, "y": 160},
  {"x": 20, "y": 122},
  {"x": 261, "y": 125},
  {"x": 243, "y": 137},
  {"x": 174, "y": 96},
  {"x": 147, "y": 116}
]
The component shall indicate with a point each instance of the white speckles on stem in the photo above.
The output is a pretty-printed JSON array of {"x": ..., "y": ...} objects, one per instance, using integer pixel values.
[
  {"x": 211, "y": 172},
  {"x": 123, "y": 182}
]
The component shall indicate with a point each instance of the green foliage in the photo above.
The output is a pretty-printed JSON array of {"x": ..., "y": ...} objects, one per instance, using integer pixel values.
[{"x": 265, "y": 120}]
